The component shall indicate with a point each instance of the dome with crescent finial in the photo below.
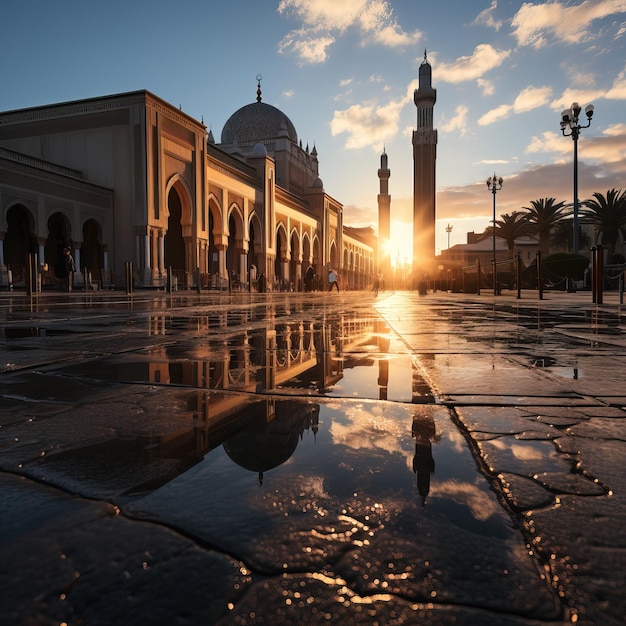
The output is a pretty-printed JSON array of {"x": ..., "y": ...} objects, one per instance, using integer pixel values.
[{"x": 257, "y": 122}]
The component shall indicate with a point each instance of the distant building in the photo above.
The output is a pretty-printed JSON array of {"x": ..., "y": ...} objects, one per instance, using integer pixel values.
[
  {"x": 131, "y": 178},
  {"x": 477, "y": 249}
]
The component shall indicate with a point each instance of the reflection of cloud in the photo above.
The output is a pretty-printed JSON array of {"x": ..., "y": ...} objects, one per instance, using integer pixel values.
[
  {"x": 526, "y": 453},
  {"x": 534, "y": 23},
  {"x": 368, "y": 428},
  {"x": 323, "y": 21},
  {"x": 482, "y": 508}
]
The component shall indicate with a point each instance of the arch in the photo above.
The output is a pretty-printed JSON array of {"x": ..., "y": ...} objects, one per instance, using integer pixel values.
[
  {"x": 183, "y": 190},
  {"x": 255, "y": 245},
  {"x": 20, "y": 239},
  {"x": 59, "y": 236},
  {"x": 295, "y": 266},
  {"x": 332, "y": 255},
  {"x": 91, "y": 249},
  {"x": 235, "y": 242},
  {"x": 174, "y": 244},
  {"x": 282, "y": 254},
  {"x": 215, "y": 233}
]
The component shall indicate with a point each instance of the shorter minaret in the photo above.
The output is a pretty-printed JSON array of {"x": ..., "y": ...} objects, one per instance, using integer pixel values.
[{"x": 384, "y": 222}]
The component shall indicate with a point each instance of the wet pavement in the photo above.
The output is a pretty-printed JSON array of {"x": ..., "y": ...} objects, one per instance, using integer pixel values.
[{"x": 312, "y": 458}]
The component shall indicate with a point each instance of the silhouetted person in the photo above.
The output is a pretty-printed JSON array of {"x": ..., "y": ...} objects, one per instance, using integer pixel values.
[{"x": 333, "y": 280}]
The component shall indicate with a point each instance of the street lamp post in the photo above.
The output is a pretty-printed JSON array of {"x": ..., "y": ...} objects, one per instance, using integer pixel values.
[
  {"x": 494, "y": 184},
  {"x": 448, "y": 230},
  {"x": 571, "y": 128}
]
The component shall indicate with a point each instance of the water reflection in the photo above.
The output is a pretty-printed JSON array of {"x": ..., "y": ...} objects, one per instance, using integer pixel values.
[
  {"x": 294, "y": 357},
  {"x": 423, "y": 430}
]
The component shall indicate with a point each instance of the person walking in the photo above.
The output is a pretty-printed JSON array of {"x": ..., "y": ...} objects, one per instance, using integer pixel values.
[
  {"x": 70, "y": 268},
  {"x": 333, "y": 280}
]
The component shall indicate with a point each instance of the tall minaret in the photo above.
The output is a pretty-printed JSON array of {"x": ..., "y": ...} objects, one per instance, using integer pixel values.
[
  {"x": 424, "y": 157},
  {"x": 384, "y": 221}
]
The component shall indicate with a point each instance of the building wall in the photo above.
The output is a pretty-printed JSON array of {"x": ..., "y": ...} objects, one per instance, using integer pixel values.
[{"x": 150, "y": 160}]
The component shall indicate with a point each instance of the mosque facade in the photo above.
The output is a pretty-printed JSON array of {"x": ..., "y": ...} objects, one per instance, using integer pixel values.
[{"x": 129, "y": 179}]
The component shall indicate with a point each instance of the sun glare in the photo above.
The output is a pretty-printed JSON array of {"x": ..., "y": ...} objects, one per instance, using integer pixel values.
[{"x": 400, "y": 248}]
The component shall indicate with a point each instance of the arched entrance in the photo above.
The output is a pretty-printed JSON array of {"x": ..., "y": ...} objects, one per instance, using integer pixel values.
[
  {"x": 254, "y": 247},
  {"x": 20, "y": 240},
  {"x": 232, "y": 253},
  {"x": 91, "y": 252},
  {"x": 281, "y": 268},
  {"x": 213, "y": 264},
  {"x": 294, "y": 265},
  {"x": 59, "y": 236},
  {"x": 174, "y": 253}
]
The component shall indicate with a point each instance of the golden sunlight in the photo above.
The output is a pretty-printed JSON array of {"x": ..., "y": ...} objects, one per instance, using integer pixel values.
[{"x": 400, "y": 248}]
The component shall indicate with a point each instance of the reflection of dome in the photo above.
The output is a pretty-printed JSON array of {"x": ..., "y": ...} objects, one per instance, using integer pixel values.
[
  {"x": 257, "y": 122},
  {"x": 263, "y": 445},
  {"x": 261, "y": 450}
]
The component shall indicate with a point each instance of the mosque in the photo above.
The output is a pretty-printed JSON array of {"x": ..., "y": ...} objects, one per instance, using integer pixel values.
[{"x": 128, "y": 180}]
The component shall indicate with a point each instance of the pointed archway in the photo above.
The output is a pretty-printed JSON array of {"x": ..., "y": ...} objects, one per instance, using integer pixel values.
[
  {"x": 91, "y": 249},
  {"x": 174, "y": 243},
  {"x": 59, "y": 236},
  {"x": 20, "y": 240}
]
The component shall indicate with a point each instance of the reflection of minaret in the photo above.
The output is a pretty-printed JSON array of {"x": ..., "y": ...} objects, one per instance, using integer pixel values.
[
  {"x": 424, "y": 156},
  {"x": 423, "y": 430},
  {"x": 384, "y": 221},
  {"x": 382, "y": 340}
]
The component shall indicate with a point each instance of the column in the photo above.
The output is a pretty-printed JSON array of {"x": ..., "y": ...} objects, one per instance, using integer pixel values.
[
  {"x": 243, "y": 278},
  {"x": 161, "y": 253}
]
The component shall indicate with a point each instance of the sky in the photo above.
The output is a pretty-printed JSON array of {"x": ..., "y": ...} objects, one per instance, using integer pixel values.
[{"x": 344, "y": 72}]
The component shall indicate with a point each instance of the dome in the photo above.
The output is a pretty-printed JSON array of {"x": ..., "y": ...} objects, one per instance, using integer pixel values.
[
  {"x": 257, "y": 122},
  {"x": 259, "y": 150}
]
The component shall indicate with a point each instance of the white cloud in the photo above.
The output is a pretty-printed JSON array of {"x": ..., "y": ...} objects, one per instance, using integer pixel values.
[
  {"x": 584, "y": 96},
  {"x": 487, "y": 19},
  {"x": 499, "y": 113},
  {"x": 618, "y": 89},
  {"x": 367, "y": 125},
  {"x": 487, "y": 87},
  {"x": 484, "y": 58},
  {"x": 325, "y": 20},
  {"x": 457, "y": 123},
  {"x": 288, "y": 93},
  {"x": 308, "y": 49},
  {"x": 528, "y": 99},
  {"x": 534, "y": 24},
  {"x": 531, "y": 98},
  {"x": 608, "y": 151},
  {"x": 345, "y": 82}
]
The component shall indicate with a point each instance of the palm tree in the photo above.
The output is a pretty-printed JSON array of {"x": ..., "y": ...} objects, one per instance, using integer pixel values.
[
  {"x": 608, "y": 214},
  {"x": 563, "y": 235},
  {"x": 544, "y": 214},
  {"x": 510, "y": 227}
]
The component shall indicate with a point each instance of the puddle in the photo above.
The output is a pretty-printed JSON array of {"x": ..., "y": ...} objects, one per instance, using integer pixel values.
[{"x": 358, "y": 357}]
